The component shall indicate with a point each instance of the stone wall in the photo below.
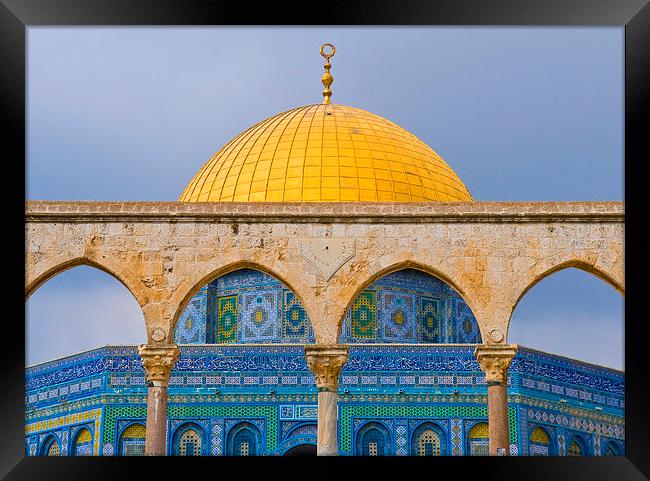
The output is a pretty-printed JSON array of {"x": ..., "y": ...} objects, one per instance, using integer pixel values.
[{"x": 327, "y": 253}]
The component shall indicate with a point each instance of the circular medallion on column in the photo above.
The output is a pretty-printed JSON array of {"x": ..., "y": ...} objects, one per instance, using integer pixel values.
[
  {"x": 496, "y": 335},
  {"x": 158, "y": 334}
]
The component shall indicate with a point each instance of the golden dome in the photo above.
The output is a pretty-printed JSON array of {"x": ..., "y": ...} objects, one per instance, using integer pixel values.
[{"x": 325, "y": 153}]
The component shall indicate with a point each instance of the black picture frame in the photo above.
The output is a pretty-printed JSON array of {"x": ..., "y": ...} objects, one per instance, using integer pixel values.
[{"x": 17, "y": 15}]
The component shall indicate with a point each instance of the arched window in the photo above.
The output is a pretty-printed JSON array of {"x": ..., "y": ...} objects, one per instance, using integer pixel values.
[
  {"x": 613, "y": 449},
  {"x": 83, "y": 443},
  {"x": 428, "y": 443},
  {"x": 478, "y": 440},
  {"x": 188, "y": 440},
  {"x": 409, "y": 306},
  {"x": 577, "y": 447},
  {"x": 51, "y": 447},
  {"x": 189, "y": 443},
  {"x": 243, "y": 440},
  {"x": 132, "y": 440},
  {"x": 372, "y": 440},
  {"x": 427, "y": 440},
  {"x": 539, "y": 442},
  {"x": 373, "y": 443},
  {"x": 245, "y": 443}
]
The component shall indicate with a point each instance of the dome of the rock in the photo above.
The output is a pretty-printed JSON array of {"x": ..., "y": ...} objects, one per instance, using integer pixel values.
[{"x": 326, "y": 153}]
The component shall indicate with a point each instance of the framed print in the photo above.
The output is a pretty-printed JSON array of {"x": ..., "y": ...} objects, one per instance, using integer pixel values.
[{"x": 401, "y": 233}]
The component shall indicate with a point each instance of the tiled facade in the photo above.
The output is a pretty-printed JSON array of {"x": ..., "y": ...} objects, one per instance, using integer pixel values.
[
  {"x": 397, "y": 395},
  {"x": 245, "y": 306},
  {"x": 409, "y": 306},
  {"x": 248, "y": 306},
  {"x": 216, "y": 388}
]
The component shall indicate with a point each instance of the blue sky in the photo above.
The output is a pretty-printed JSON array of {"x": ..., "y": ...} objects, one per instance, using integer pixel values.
[{"x": 133, "y": 113}]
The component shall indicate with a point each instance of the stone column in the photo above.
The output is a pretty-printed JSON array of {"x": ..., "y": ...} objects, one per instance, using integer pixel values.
[
  {"x": 326, "y": 363},
  {"x": 158, "y": 361},
  {"x": 494, "y": 360}
]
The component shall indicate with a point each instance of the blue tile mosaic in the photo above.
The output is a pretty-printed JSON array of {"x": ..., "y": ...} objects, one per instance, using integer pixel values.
[
  {"x": 216, "y": 387},
  {"x": 409, "y": 306},
  {"x": 244, "y": 306}
]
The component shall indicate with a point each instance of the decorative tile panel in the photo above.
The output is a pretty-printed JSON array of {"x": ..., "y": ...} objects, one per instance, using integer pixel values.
[{"x": 390, "y": 384}]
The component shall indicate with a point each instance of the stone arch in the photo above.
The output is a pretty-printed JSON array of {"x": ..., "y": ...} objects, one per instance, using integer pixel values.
[
  {"x": 544, "y": 271},
  {"x": 134, "y": 323},
  {"x": 217, "y": 268},
  {"x": 37, "y": 276},
  {"x": 547, "y": 269},
  {"x": 385, "y": 266}
]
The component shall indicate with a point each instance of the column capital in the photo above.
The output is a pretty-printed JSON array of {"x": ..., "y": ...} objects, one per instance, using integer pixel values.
[
  {"x": 158, "y": 361},
  {"x": 494, "y": 360},
  {"x": 326, "y": 363}
]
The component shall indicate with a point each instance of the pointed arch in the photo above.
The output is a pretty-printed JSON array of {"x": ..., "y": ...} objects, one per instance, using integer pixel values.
[
  {"x": 37, "y": 277},
  {"x": 244, "y": 439},
  {"x": 545, "y": 271},
  {"x": 538, "y": 276},
  {"x": 428, "y": 439},
  {"x": 51, "y": 446},
  {"x": 477, "y": 439},
  {"x": 132, "y": 439},
  {"x": 613, "y": 448},
  {"x": 373, "y": 439},
  {"x": 303, "y": 429},
  {"x": 82, "y": 442},
  {"x": 539, "y": 442},
  {"x": 189, "y": 439},
  {"x": 306, "y": 449},
  {"x": 300, "y": 439},
  {"x": 88, "y": 299},
  {"x": 224, "y": 270},
  {"x": 397, "y": 267},
  {"x": 578, "y": 446}
]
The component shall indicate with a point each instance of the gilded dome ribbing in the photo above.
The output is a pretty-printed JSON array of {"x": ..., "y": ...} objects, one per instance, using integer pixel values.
[{"x": 325, "y": 153}]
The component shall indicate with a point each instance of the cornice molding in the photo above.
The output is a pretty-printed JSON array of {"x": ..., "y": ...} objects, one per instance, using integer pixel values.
[{"x": 329, "y": 212}]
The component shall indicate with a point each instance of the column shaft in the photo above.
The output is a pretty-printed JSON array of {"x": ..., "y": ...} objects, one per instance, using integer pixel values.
[
  {"x": 327, "y": 424},
  {"x": 158, "y": 361},
  {"x": 326, "y": 363},
  {"x": 494, "y": 360},
  {"x": 498, "y": 419},
  {"x": 156, "y": 437}
]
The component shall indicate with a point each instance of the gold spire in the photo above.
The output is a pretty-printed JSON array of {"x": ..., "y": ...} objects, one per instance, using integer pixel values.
[{"x": 327, "y": 78}]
